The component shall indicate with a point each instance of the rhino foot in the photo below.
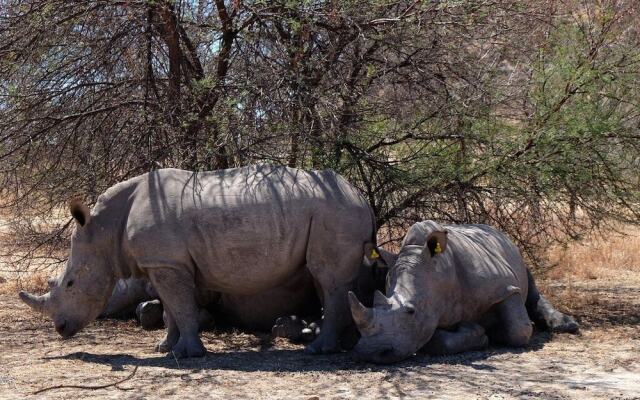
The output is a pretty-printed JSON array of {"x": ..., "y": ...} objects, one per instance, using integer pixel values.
[
  {"x": 288, "y": 327},
  {"x": 467, "y": 337},
  {"x": 164, "y": 346},
  {"x": 324, "y": 344},
  {"x": 188, "y": 348},
  {"x": 562, "y": 323},
  {"x": 149, "y": 314},
  {"x": 172, "y": 336},
  {"x": 311, "y": 331},
  {"x": 483, "y": 344}
]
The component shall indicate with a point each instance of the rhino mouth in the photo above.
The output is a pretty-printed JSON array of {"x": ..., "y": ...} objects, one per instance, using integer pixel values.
[
  {"x": 66, "y": 329},
  {"x": 385, "y": 355}
]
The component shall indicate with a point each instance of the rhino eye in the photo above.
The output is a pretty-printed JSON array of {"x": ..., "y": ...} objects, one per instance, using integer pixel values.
[{"x": 70, "y": 283}]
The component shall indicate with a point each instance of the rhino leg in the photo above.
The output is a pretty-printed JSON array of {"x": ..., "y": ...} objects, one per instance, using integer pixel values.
[
  {"x": 176, "y": 289},
  {"x": 542, "y": 312},
  {"x": 171, "y": 337},
  {"x": 467, "y": 337},
  {"x": 334, "y": 270},
  {"x": 513, "y": 327}
]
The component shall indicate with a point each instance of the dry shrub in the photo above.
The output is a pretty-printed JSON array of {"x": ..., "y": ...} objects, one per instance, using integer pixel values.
[
  {"x": 600, "y": 256},
  {"x": 33, "y": 283}
]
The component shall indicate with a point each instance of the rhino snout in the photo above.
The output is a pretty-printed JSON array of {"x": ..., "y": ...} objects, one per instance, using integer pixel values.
[
  {"x": 383, "y": 355},
  {"x": 60, "y": 327},
  {"x": 65, "y": 328}
]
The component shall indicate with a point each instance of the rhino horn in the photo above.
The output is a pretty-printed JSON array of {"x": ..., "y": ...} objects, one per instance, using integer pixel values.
[
  {"x": 37, "y": 303},
  {"x": 362, "y": 315},
  {"x": 379, "y": 299}
]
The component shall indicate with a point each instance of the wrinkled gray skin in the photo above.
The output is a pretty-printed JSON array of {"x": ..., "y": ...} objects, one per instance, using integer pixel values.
[
  {"x": 454, "y": 300},
  {"x": 239, "y": 231}
]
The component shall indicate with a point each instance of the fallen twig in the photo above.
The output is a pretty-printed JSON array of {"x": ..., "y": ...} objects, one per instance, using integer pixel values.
[
  {"x": 90, "y": 387},
  {"x": 175, "y": 358}
]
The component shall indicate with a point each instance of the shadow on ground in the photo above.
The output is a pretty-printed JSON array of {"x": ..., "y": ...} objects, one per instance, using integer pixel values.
[{"x": 267, "y": 359}]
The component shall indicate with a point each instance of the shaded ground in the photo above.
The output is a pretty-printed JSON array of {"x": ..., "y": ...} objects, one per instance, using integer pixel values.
[{"x": 603, "y": 362}]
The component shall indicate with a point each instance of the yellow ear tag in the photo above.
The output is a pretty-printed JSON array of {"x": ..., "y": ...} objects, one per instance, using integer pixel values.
[
  {"x": 374, "y": 254},
  {"x": 438, "y": 249}
]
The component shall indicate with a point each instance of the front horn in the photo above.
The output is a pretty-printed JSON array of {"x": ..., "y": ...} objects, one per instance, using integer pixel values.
[
  {"x": 37, "y": 303},
  {"x": 362, "y": 315}
]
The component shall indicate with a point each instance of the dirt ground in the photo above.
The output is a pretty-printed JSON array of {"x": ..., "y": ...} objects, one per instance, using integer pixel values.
[{"x": 602, "y": 362}]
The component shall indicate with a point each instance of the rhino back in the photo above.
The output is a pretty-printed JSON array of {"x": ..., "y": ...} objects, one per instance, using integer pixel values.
[{"x": 241, "y": 230}]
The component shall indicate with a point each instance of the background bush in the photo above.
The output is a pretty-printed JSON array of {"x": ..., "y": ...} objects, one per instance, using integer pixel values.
[{"x": 520, "y": 114}]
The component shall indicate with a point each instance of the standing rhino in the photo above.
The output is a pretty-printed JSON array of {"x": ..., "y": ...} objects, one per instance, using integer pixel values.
[
  {"x": 239, "y": 231},
  {"x": 450, "y": 290}
]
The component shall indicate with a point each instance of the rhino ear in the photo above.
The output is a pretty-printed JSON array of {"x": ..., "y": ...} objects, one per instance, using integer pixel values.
[
  {"x": 79, "y": 211},
  {"x": 436, "y": 242},
  {"x": 371, "y": 254}
]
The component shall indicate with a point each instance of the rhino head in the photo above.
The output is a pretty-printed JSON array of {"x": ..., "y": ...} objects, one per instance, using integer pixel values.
[
  {"x": 401, "y": 323},
  {"x": 80, "y": 293}
]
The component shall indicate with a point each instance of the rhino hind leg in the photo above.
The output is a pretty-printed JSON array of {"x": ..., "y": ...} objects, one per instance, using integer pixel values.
[
  {"x": 171, "y": 337},
  {"x": 176, "y": 289},
  {"x": 467, "y": 337},
  {"x": 543, "y": 314},
  {"x": 333, "y": 324},
  {"x": 334, "y": 276},
  {"x": 513, "y": 327}
]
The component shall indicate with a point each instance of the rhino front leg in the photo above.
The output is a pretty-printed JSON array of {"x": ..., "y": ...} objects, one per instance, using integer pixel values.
[
  {"x": 176, "y": 289},
  {"x": 514, "y": 326},
  {"x": 542, "y": 312},
  {"x": 466, "y": 337}
]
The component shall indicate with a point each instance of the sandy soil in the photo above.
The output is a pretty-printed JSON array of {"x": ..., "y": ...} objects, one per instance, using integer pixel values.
[{"x": 602, "y": 362}]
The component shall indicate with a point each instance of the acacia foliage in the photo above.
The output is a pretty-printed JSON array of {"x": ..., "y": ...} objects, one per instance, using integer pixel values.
[{"x": 519, "y": 114}]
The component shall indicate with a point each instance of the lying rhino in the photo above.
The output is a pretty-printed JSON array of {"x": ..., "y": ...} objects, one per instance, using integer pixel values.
[
  {"x": 239, "y": 231},
  {"x": 450, "y": 290}
]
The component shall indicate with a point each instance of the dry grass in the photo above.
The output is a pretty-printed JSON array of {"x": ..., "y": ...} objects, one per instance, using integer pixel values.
[
  {"x": 597, "y": 280},
  {"x": 606, "y": 256},
  {"x": 34, "y": 283}
]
